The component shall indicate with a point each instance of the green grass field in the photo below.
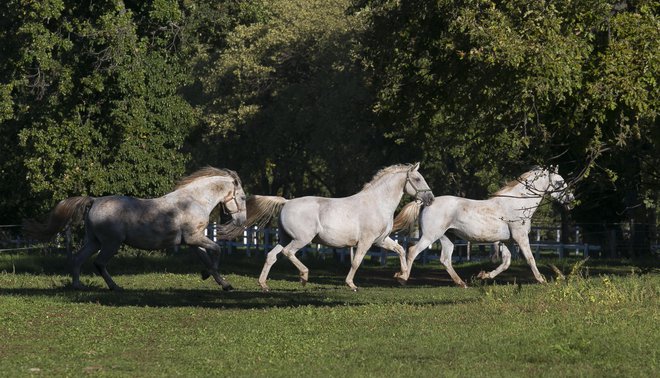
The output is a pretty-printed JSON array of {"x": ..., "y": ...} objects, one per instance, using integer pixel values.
[{"x": 603, "y": 320}]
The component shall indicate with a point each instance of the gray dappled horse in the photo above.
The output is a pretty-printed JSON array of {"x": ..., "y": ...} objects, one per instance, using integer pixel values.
[
  {"x": 179, "y": 217},
  {"x": 506, "y": 215},
  {"x": 360, "y": 220}
]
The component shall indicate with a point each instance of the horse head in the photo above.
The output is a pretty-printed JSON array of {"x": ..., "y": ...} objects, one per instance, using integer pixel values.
[
  {"x": 558, "y": 189},
  {"x": 234, "y": 203},
  {"x": 417, "y": 187}
]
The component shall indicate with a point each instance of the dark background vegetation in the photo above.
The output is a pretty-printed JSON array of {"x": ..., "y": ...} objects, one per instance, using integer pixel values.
[{"x": 313, "y": 96}]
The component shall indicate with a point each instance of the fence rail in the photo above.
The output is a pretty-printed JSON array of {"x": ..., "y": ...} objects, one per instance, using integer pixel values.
[{"x": 262, "y": 240}]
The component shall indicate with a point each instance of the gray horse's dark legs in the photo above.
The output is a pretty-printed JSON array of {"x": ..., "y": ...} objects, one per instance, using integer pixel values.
[
  {"x": 78, "y": 259},
  {"x": 102, "y": 260},
  {"x": 203, "y": 246}
]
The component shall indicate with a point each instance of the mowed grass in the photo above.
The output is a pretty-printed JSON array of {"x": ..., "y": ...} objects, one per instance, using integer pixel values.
[{"x": 168, "y": 322}]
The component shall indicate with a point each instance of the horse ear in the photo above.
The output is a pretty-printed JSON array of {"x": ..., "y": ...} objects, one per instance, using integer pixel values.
[
  {"x": 415, "y": 167},
  {"x": 554, "y": 168}
]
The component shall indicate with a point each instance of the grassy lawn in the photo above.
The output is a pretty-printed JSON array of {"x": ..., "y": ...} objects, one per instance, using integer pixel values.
[{"x": 601, "y": 321}]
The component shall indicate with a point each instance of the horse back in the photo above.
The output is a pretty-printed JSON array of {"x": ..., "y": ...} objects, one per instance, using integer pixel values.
[{"x": 141, "y": 223}]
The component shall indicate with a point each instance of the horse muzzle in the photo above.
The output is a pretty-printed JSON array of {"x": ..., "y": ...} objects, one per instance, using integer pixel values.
[
  {"x": 426, "y": 198},
  {"x": 239, "y": 218}
]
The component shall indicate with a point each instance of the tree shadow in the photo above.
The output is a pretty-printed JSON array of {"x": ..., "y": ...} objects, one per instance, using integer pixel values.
[{"x": 214, "y": 299}]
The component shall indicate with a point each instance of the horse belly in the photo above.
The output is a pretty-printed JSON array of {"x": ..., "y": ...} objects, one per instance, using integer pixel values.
[{"x": 481, "y": 229}]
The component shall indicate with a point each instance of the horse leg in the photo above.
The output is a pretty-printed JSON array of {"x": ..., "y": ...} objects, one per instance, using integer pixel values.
[
  {"x": 362, "y": 249},
  {"x": 523, "y": 241},
  {"x": 290, "y": 252},
  {"x": 506, "y": 261},
  {"x": 392, "y": 245},
  {"x": 107, "y": 251},
  {"x": 216, "y": 265},
  {"x": 413, "y": 251},
  {"x": 202, "y": 247},
  {"x": 445, "y": 259},
  {"x": 270, "y": 260},
  {"x": 79, "y": 258}
]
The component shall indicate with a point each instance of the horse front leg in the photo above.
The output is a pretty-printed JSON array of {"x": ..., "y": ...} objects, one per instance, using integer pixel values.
[
  {"x": 506, "y": 261},
  {"x": 413, "y": 251},
  {"x": 390, "y": 244},
  {"x": 203, "y": 245},
  {"x": 361, "y": 251},
  {"x": 521, "y": 237},
  {"x": 445, "y": 259}
]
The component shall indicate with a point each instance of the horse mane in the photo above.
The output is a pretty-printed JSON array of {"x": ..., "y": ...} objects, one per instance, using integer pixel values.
[
  {"x": 207, "y": 171},
  {"x": 386, "y": 171},
  {"x": 519, "y": 181}
]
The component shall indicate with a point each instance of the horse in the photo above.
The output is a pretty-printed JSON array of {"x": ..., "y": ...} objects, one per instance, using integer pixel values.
[
  {"x": 179, "y": 217},
  {"x": 506, "y": 215},
  {"x": 359, "y": 221}
]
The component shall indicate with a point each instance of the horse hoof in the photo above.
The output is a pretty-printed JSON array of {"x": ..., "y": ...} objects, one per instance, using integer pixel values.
[
  {"x": 355, "y": 289},
  {"x": 117, "y": 289},
  {"x": 401, "y": 281},
  {"x": 228, "y": 288},
  {"x": 205, "y": 275},
  {"x": 303, "y": 281},
  {"x": 483, "y": 275},
  {"x": 265, "y": 289}
]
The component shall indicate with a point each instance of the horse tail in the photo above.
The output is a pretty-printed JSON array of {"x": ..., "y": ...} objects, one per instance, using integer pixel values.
[
  {"x": 67, "y": 211},
  {"x": 261, "y": 209},
  {"x": 407, "y": 217}
]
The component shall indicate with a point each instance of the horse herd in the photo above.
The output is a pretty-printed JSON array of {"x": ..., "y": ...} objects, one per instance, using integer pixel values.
[{"x": 356, "y": 222}]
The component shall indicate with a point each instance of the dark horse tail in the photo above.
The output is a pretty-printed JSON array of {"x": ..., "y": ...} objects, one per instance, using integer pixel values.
[{"x": 65, "y": 212}]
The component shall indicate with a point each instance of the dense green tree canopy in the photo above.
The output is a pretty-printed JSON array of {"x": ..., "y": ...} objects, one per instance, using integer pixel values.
[{"x": 311, "y": 97}]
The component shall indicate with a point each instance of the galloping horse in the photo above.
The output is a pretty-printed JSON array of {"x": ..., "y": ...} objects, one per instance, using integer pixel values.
[
  {"x": 179, "y": 217},
  {"x": 360, "y": 220},
  {"x": 506, "y": 215}
]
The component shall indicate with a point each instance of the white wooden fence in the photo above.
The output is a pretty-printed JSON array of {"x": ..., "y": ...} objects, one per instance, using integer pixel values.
[{"x": 544, "y": 240}]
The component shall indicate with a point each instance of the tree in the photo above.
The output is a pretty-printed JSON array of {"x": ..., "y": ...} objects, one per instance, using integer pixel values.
[
  {"x": 289, "y": 105},
  {"x": 493, "y": 86},
  {"x": 90, "y": 101}
]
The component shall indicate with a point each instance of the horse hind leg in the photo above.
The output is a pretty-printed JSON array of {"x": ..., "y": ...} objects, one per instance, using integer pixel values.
[
  {"x": 101, "y": 261},
  {"x": 89, "y": 248},
  {"x": 271, "y": 258},
  {"x": 290, "y": 252}
]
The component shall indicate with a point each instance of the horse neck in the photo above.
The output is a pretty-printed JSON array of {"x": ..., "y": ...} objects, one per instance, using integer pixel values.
[
  {"x": 207, "y": 191},
  {"x": 526, "y": 197},
  {"x": 387, "y": 191}
]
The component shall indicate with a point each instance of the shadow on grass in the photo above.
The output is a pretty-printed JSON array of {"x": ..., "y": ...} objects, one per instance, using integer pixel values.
[{"x": 237, "y": 299}]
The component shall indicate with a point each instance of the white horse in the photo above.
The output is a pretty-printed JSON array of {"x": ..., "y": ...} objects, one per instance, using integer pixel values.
[
  {"x": 506, "y": 215},
  {"x": 179, "y": 217},
  {"x": 360, "y": 220}
]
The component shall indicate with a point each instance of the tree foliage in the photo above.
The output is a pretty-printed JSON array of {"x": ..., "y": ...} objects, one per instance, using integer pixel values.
[{"x": 311, "y": 97}]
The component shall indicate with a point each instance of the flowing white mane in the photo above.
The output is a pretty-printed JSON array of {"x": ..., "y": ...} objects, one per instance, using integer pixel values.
[
  {"x": 384, "y": 172},
  {"x": 523, "y": 180}
]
